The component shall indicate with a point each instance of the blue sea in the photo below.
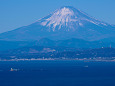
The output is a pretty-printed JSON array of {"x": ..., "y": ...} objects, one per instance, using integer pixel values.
[{"x": 57, "y": 73}]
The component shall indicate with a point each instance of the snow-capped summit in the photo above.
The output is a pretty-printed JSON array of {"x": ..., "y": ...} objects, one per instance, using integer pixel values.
[
  {"x": 70, "y": 18},
  {"x": 64, "y": 23},
  {"x": 59, "y": 18}
]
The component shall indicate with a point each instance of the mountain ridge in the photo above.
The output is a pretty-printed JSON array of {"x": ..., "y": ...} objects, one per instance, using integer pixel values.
[
  {"x": 64, "y": 23},
  {"x": 45, "y": 42}
]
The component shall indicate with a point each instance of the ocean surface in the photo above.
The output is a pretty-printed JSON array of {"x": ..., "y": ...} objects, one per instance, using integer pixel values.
[{"x": 57, "y": 73}]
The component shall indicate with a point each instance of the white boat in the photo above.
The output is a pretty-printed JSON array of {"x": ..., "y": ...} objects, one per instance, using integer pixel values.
[{"x": 13, "y": 69}]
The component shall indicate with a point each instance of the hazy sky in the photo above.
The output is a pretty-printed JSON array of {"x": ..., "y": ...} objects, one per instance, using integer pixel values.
[{"x": 17, "y": 13}]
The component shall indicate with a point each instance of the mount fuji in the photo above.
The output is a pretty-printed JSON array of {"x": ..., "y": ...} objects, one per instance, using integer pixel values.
[{"x": 64, "y": 23}]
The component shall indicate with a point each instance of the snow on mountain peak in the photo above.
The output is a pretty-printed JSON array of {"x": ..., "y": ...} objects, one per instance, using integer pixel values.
[
  {"x": 64, "y": 23},
  {"x": 59, "y": 18},
  {"x": 68, "y": 17},
  {"x": 64, "y": 12}
]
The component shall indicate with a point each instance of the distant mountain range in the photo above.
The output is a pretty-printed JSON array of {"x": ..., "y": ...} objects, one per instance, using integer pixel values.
[
  {"x": 67, "y": 32},
  {"x": 70, "y": 43},
  {"x": 64, "y": 23}
]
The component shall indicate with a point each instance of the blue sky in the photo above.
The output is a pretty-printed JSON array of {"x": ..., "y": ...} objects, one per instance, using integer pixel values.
[{"x": 17, "y": 13}]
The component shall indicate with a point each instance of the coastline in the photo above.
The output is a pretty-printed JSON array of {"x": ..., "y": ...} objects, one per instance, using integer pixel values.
[{"x": 58, "y": 59}]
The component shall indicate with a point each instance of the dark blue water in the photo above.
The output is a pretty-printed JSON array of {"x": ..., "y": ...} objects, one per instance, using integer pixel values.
[{"x": 57, "y": 73}]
